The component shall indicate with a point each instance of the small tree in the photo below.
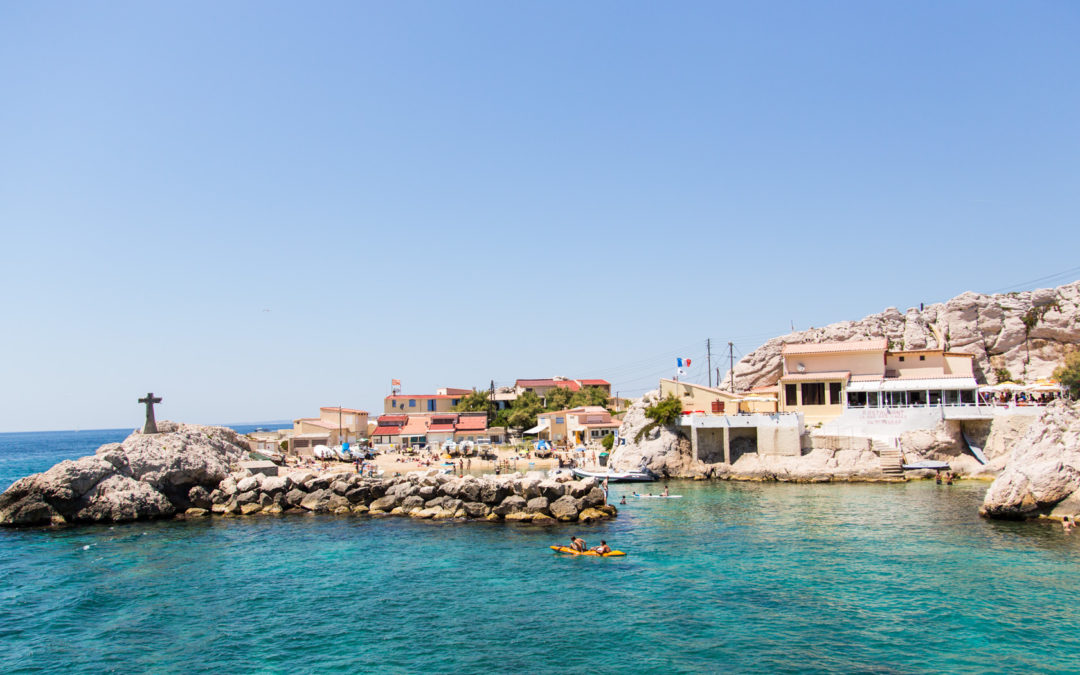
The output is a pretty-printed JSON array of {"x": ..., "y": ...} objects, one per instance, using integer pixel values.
[
  {"x": 608, "y": 441},
  {"x": 476, "y": 401},
  {"x": 1069, "y": 375},
  {"x": 558, "y": 399},
  {"x": 524, "y": 411},
  {"x": 665, "y": 413},
  {"x": 588, "y": 396},
  {"x": 1002, "y": 375}
]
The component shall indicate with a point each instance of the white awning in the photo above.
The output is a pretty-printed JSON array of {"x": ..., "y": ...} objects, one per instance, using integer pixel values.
[
  {"x": 864, "y": 386},
  {"x": 930, "y": 384},
  {"x": 921, "y": 384},
  {"x": 538, "y": 428}
]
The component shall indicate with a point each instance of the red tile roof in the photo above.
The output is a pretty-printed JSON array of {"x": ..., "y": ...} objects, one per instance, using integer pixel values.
[
  {"x": 386, "y": 431},
  {"x": 441, "y": 427},
  {"x": 880, "y": 344},
  {"x": 392, "y": 419},
  {"x": 344, "y": 410},
  {"x": 401, "y": 396},
  {"x": 472, "y": 423},
  {"x": 595, "y": 383},
  {"x": 416, "y": 426},
  {"x": 543, "y": 382}
]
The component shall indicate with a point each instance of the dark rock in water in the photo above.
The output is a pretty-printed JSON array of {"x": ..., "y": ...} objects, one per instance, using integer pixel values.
[
  {"x": 386, "y": 503},
  {"x": 595, "y": 497},
  {"x": 511, "y": 504},
  {"x": 476, "y": 509},
  {"x": 358, "y": 494},
  {"x": 317, "y": 501},
  {"x": 564, "y": 508},
  {"x": 412, "y": 502},
  {"x": 537, "y": 505},
  {"x": 294, "y": 497},
  {"x": 146, "y": 476},
  {"x": 200, "y": 498}
]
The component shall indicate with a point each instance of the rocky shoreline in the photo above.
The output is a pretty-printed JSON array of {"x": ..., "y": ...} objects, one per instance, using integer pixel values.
[{"x": 192, "y": 471}]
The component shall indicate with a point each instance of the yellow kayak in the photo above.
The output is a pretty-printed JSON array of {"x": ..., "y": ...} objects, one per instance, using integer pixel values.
[{"x": 567, "y": 549}]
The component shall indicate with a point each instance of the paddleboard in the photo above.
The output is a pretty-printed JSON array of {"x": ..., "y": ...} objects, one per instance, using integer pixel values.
[
  {"x": 566, "y": 549},
  {"x": 658, "y": 496}
]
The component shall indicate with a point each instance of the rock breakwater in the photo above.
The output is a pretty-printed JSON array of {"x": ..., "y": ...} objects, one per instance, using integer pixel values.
[
  {"x": 191, "y": 471},
  {"x": 423, "y": 495}
]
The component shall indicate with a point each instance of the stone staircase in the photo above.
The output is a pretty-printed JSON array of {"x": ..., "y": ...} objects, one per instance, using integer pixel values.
[{"x": 892, "y": 464}]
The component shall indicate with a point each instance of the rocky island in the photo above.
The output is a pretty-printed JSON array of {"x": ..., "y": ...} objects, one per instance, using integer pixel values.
[{"x": 193, "y": 471}]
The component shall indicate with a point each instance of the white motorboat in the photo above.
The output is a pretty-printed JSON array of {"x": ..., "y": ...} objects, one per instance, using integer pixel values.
[{"x": 642, "y": 476}]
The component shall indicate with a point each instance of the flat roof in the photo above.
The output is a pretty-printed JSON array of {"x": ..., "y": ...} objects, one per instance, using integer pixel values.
[{"x": 880, "y": 344}]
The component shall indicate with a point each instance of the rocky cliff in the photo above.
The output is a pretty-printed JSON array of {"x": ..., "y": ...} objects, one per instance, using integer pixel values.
[
  {"x": 1042, "y": 473},
  {"x": 1026, "y": 333}
]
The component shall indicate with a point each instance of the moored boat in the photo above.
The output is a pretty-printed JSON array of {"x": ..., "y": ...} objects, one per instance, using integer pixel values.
[{"x": 641, "y": 476}]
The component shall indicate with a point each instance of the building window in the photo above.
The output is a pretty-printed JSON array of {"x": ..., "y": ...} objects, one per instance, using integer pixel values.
[
  {"x": 558, "y": 420},
  {"x": 834, "y": 393},
  {"x": 412, "y": 402},
  {"x": 856, "y": 399},
  {"x": 813, "y": 393},
  {"x": 789, "y": 395},
  {"x": 922, "y": 357},
  {"x": 901, "y": 358},
  {"x": 431, "y": 405},
  {"x": 454, "y": 401}
]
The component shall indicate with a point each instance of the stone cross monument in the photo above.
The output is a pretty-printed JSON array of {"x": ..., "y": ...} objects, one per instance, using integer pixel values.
[{"x": 151, "y": 426}]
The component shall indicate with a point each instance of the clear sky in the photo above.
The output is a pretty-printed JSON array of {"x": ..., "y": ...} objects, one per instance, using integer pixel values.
[{"x": 257, "y": 208}]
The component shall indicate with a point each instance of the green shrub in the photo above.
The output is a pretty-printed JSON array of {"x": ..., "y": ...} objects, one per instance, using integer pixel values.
[
  {"x": 608, "y": 441},
  {"x": 665, "y": 413},
  {"x": 1069, "y": 375},
  {"x": 1002, "y": 375}
]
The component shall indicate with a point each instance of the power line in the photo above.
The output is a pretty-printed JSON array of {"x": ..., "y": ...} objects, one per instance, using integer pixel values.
[{"x": 1072, "y": 271}]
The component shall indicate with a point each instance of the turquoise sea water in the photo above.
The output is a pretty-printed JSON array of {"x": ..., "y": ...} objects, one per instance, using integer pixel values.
[{"x": 739, "y": 577}]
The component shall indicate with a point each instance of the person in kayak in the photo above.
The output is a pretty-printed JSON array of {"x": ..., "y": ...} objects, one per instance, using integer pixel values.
[
  {"x": 602, "y": 548},
  {"x": 578, "y": 544}
]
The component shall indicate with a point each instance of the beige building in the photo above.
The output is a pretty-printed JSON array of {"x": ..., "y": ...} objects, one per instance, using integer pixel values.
[
  {"x": 586, "y": 424},
  {"x": 822, "y": 380},
  {"x": 333, "y": 426},
  {"x": 442, "y": 401}
]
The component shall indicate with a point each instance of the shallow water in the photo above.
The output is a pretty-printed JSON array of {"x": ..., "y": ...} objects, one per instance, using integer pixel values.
[{"x": 742, "y": 577}]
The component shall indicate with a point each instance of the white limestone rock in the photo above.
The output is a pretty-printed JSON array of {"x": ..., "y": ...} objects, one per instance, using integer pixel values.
[
  {"x": 1043, "y": 469},
  {"x": 1027, "y": 333}
]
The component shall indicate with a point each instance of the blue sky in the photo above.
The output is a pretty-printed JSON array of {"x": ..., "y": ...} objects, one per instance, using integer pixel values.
[{"x": 257, "y": 208}]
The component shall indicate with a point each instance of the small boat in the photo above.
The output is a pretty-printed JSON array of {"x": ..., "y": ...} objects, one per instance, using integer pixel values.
[
  {"x": 642, "y": 476},
  {"x": 931, "y": 464},
  {"x": 567, "y": 549}
]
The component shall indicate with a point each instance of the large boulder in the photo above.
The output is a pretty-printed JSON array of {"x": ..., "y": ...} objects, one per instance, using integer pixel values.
[
  {"x": 1043, "y": 469},
  {"x": 512, "y": 504},
  {"x": 565, "y": 508},
  {"x": 119, "y": 499}
]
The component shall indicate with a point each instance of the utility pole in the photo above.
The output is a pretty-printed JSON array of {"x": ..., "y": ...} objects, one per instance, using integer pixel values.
[
  {"x": 718, "y": 376},
  {"x": 339, "y": 424},
  {"x": 708, "y": 356},
  {"x": 491, "y": 404},
  {"x": 731, "y": 357}
]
